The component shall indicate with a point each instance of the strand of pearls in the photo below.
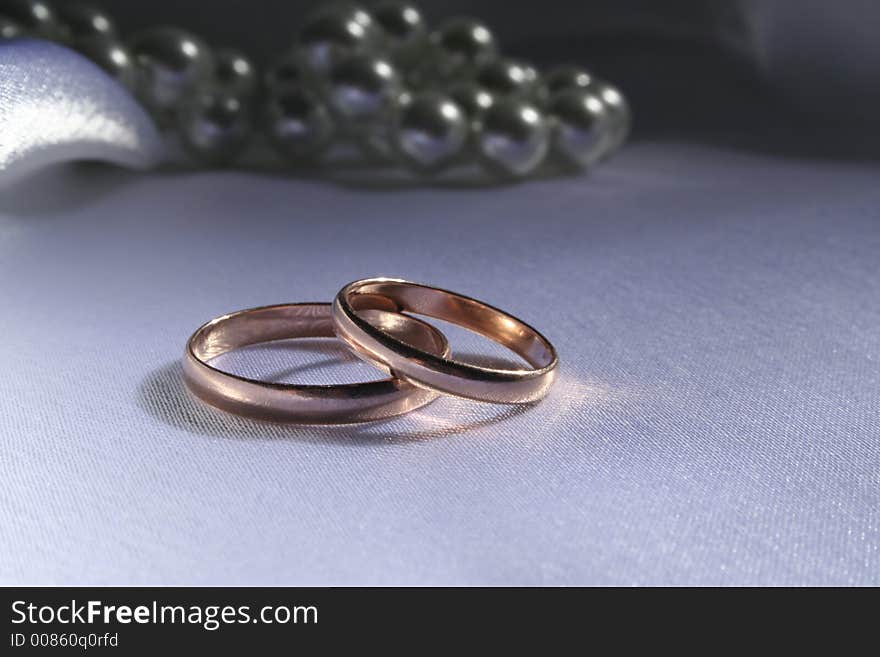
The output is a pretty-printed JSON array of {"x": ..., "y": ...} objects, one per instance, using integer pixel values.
[{"x": 380, "y": 79}]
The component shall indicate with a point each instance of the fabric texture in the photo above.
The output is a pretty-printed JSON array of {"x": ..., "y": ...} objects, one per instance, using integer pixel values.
[
  {"x": 715, "y": 422},
  {"x": 715, "y": 307}
]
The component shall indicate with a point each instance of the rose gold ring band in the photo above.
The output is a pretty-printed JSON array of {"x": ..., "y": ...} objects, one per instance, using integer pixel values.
[
  {"x": 435, "y": 371},
  {"x": 359, "y": 402}
]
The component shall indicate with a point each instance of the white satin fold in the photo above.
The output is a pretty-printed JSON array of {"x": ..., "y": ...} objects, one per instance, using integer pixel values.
[{"x": 55, "y": 106}]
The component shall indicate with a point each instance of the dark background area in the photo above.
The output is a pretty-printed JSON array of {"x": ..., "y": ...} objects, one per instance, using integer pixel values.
[{"x": 780, "y": 76}]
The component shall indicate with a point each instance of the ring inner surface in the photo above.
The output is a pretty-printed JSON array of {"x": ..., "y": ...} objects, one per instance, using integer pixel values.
[
  {"x": 262, "y": 325},
  {"x": 285, "y": 322},
  {"x": 456, "y": 309}
]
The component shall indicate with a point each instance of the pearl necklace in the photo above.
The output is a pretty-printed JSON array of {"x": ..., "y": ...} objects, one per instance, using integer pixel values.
[{"x": 379, "y": 79}]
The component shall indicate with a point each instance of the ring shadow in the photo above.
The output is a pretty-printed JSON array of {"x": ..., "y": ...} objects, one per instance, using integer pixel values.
[{"x": 164, "y": 395}]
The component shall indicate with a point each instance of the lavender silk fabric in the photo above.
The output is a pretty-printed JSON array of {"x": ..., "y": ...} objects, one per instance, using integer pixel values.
[
  {"x": 56, "y": 105},
  {"x": 716, "y": 420}
]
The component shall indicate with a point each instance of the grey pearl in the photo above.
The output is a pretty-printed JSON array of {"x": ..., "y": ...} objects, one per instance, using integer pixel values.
[
  {"x": 80, "y": 23},
  {"x": 234, "y": 73},
  {"x": 375, "y": 137},
  {"x": 581, "y": 126},
  {"x": 568, "y": 77},
  {"x": 286, "y": 71},
  {"x": 461, "y": 45},
  {"x": 214, "y": 126},
  {"x": 430, "y": 131},
  {"x": 361, "y": 89},
  {"x": 32, "y": 17},
  {"x": 334, "y": 33},
  {"x": 170, "y": 64},
  {"x": 620, "y": 113},
  {"x": 353, "y": 9},
  {"x": 297, "y": 124},
  {"x": 513, "y": 138},
  {"x": 9, "y": 29},
  {"x": 112, "y": 56},
  {"x": 401, "y": 23},
  {"x": 473, "y": 99},
  {"x": 507, "y": 77},
  {"x": 375, "y": 142}
]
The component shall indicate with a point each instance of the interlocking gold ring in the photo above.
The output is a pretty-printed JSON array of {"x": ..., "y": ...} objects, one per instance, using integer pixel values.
[
  {"x": 324, "y": 404},
  {"x": 435, "y": 371}
]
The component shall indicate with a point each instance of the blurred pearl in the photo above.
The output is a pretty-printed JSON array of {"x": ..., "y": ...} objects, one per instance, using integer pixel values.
[
  {"x": 112, "y": 56},
  {"x": 234, "y": 73},
  {"x": 9, "y": 29},
  {"x": 471, "y": 98},
  {"x": 170, "y": 64},
  {"x": 297, "y": 124},
  {"x": 82, "y": 22},
  {"x": 284, "y": 72},
  {"x": 581, "y": 127},
  {"x": 361, "y": 89},
  {"x": 32, "y": 16},
  {"x": 352, "y": 9},
  {"x": 430, "y": 131},
  {"x": 513, "y": 138},
  {"x": 375, "y": 137},
  {"x": 401, "y": 22},
  {"x": 619, "y": 110},
  {"x": 333, "y": 34},
  {"x": 567, "y": 77},
  {"x": 214, "y": 126},
  {"x": 376, "y": 144},
  {"x": 505, "y": 77},
  {"x": 461, "y": 45}
]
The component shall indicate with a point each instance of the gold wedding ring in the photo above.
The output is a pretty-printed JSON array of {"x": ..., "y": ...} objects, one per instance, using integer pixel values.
[
  {"x": 438, "y": 372},
  {"x": 317, "y": 404}
]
